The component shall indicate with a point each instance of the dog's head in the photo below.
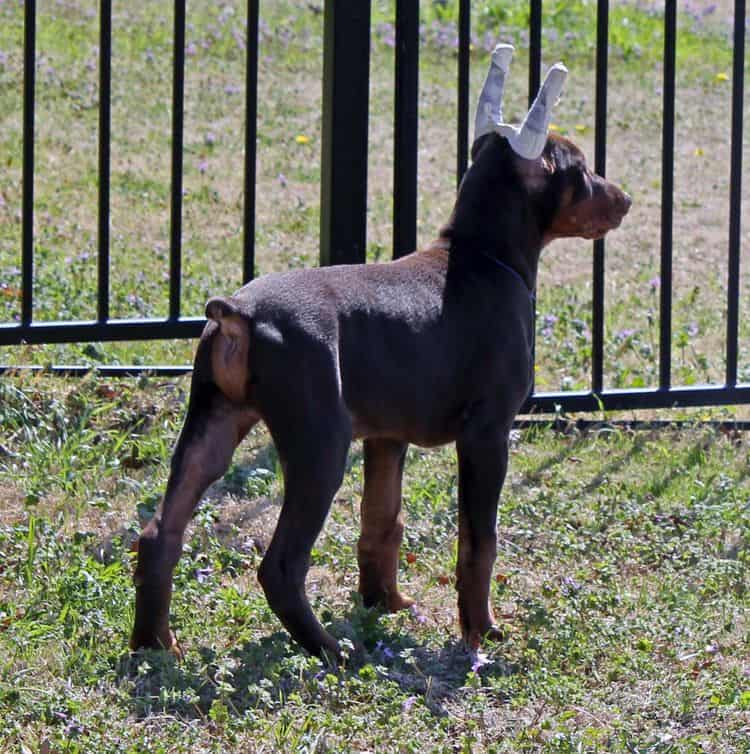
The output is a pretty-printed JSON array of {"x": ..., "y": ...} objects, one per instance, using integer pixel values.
[
  {"x": 569, "y": 199},
  {"x": 536, "y": 183}
]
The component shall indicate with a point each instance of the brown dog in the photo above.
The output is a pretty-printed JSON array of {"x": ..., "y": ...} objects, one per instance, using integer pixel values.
[{"x": 433, "y": 348}]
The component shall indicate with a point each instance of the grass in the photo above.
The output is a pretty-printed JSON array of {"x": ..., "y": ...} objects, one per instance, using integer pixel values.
[
  {"x": 287, "y": 210},
  {"x": 621, "y": 580},
  {"x": 622, "y": 566}
]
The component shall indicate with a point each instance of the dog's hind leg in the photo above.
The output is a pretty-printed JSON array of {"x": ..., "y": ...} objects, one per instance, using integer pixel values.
[
  {"x": 482, "y": 463},
  {"x": 382, "y": 525},
  {"x": 314, "y": 460},
  {"x": 213, "y": 428}
]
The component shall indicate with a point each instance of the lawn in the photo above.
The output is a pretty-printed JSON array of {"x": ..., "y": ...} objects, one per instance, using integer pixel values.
[{"x": 622, "y": 568}]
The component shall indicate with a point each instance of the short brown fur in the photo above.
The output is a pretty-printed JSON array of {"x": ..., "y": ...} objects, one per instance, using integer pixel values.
[{"x": 433, "y": 348}]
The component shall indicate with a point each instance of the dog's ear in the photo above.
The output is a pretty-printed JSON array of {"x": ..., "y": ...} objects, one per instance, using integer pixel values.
[
  {"x": 535, "y": 174},
  {"x": 478, "y": 143}
]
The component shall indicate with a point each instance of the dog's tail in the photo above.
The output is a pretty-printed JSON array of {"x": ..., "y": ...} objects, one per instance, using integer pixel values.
[{"x": 230, "y": 348}]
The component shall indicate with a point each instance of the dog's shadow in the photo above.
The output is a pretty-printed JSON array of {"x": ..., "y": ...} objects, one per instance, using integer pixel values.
[{"x": 262, "y": 675}]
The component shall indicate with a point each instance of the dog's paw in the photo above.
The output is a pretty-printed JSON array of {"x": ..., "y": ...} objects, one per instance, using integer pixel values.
[{"x": 396, "y": 601}]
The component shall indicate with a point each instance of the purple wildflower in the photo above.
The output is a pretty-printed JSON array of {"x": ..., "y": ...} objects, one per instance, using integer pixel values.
[
  {"x": 479, "y": 660},
  {"x": 202, "y": 166},
  {"x": 420, "y": 618},
  {"x": 202, "y": 574},
  {"x": 624, "y": 334},
  {"x": 210, "y": 138},
  {"x": 386, "y": 651},
  {"x": 692, "y": 329},
  {"x": 232, "y": 89},
  {"x": 570, "y": 586},
  {"x": 282, "y": 180},
  {"x": 191, "y": 50},
  {"x": 655, "y": 283},
  {"x": 409, "y": 702},
  {"x": 239, "y": 38}
]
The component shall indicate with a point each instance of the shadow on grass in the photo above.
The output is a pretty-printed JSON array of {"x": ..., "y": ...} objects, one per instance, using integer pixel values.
[{"x": 262, "y": 675}]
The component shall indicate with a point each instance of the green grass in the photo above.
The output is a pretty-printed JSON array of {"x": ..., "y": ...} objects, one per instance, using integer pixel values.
[
  {"x": 621, "y": 579},
  {"x": 288, "y": 172},
  {"x": 622, "y": 567}
]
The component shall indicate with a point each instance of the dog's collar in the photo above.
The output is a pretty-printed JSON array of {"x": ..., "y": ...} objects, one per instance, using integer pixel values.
[{"x": 509, "y": 269}]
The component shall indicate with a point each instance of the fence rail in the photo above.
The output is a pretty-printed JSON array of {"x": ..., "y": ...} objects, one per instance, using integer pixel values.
[{"x": 344, "y": 185}]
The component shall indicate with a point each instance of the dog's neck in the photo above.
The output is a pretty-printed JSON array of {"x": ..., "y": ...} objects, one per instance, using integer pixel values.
[{"x": 493, "y": 214}]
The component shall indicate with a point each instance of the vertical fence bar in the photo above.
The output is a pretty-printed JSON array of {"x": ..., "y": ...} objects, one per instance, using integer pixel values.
[
  {"x": 735, "y": 197},
  {"x": 535, "y": 48},
  {"x": 27, "y": 239},
  {"x": 251, "y": 131},
  {"x": 178, "y": 109},
  {"x": 464, "y": 42},
  {"x": 535, "y": 73},
  {"x": 105, "y": 94},
  {"x": 667, "y": 195},
  {"x": 600, "y": 167},
  {"x": 346, "y": 74},
  {"x": 405, "y": 128}
]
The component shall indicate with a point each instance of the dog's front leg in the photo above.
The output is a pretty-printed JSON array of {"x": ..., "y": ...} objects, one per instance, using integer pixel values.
[
  {"x": 382, "y": 525},
  {"x": 213, "y": 428},
  {"x": 482, "y": 463}
]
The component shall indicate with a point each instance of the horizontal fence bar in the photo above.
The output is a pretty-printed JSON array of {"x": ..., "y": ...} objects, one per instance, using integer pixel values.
[
  {"x": 623, "y": 400},
  {"x": 735, "y": 197},
  {"x": 27, "y": 231},
  {"x": 113, "y": 330},
  {"x": 565, "y": 425},
  {"x": 79, "y": 370},
  {"x": 544, "y": 403}
]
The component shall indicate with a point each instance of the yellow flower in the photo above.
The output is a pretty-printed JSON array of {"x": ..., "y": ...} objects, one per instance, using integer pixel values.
[
  {"x": 554, "y": 127},
  {"x": 581, "y": 128},
  {"x": 698, "y": 152},
  {"x": 721, "y": 76},
  {"x": 302, "y": 139}
]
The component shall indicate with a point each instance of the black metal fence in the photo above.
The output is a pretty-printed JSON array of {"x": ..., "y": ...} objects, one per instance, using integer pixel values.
[{"x": 344, "y": 185}]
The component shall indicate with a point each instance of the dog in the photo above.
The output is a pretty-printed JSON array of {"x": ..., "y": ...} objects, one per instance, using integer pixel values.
[{"x": 433, "y": 348}]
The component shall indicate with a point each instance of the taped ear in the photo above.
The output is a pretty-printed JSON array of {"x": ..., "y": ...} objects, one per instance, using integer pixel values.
[
  {"x": 490, "y": 106},
  {"x": 528, "y": 139}
]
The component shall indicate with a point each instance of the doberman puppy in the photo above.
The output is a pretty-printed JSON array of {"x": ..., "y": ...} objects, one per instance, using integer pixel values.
[{"x": 433, "y": 348}]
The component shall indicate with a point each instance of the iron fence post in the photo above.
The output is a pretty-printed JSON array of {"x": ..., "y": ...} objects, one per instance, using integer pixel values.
[{"x": 346, "y": 74}]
